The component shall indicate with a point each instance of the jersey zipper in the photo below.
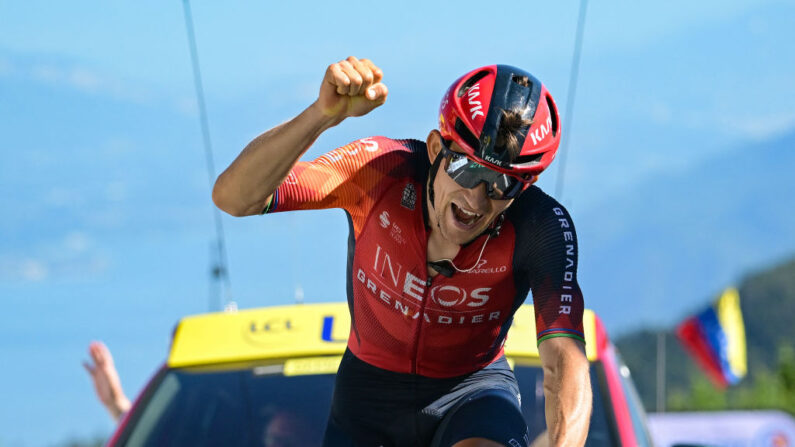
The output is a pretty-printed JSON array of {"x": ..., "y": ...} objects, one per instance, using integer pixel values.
[
  {"x": 428, "y": 280},
  {"x": 421, "y": 318}
]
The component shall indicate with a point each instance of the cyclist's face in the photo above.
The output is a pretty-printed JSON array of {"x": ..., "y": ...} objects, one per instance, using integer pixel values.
[{"x": 460, "y": 213}]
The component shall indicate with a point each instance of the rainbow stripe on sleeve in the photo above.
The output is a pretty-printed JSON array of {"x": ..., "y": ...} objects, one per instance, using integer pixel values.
[{"x": 560, "y": 332}]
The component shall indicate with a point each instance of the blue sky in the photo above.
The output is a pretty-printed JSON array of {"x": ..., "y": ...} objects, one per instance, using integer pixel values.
[{"x": 107, "y": 223}]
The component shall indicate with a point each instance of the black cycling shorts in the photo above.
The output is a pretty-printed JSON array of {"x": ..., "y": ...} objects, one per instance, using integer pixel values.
[{"x": 375, "y": 407}]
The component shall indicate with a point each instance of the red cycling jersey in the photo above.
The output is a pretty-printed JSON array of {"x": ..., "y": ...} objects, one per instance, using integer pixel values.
[{"x": 406, "y": 321}]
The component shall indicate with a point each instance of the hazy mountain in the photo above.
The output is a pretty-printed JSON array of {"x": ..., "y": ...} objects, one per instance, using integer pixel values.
[{"x": 653, "y": 252}]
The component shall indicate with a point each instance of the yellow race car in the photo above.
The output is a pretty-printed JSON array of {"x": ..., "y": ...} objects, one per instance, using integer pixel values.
[{"x": 264, "y": 377}]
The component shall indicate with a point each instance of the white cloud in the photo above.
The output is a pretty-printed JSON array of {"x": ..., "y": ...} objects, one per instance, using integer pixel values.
[
  {"x": 85, "y": 79},
  {"x": 24, "y": 269},
  {"x": 187, "y": 105},
  {"x": 661, "y": 113},
  {"x": 118, "y": 146},
  {"x": 116, "y": 191},
  {"x": 108, "y": 217},
  {"x": 32, "y": 270},
  {"x": 76, "y": 242},
  {"x": 73, "y": 256},
  {"x": 64, "y": 197},
  {"x": 764, "y": 127},
  {"x": 78, "y": 77},
  {"x": 46, "y": 73},
  {"x": 758, "y": 26},
  {"x": 5, "y": 67}
]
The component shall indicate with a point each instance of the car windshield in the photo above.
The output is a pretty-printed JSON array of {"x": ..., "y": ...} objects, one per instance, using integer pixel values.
[{"x": 262, "y": 407}]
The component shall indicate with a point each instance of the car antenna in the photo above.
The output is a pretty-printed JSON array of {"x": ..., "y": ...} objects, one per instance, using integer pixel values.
[
  {"x": 219, "y": 266},
  {"x": 570, "y": 95},
  {"x": 299, "y": 294}
]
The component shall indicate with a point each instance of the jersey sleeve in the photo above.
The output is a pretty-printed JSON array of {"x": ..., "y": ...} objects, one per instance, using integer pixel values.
[
  {"x": 347, "y": 177},
  {"x": 550, "y": 247}
]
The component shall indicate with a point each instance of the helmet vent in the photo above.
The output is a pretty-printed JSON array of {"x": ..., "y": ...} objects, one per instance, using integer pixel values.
[
  {"x": 553, "y": 114},
  {"x": 528, "y": 159},
  {"x": 468, "y": 137},
  {"x": 524, "y": 81},
  {"x": 470, "y": 82}
]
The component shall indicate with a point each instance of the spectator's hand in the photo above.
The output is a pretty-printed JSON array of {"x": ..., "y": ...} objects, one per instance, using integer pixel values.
[
  {"x": 351, "y": 87},
  {"x": 106, "y": 380}
]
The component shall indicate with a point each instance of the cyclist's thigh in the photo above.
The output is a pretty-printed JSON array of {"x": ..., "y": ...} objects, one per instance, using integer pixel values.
[
  {"x": 336, "y": 436},
  {"x": 492, "y": 414}
]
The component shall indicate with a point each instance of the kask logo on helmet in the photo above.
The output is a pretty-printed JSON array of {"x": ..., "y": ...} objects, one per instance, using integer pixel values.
[
  {"x": 541, "y": 132},
  {"x": 475, "y": 106},
  {"x": 494, "y": 161}
]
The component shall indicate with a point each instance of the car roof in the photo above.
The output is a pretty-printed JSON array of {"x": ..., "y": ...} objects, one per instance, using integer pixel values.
[{"x": 310, "y": 330}]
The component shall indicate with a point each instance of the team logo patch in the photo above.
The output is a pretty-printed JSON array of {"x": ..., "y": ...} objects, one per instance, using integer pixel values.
[
  {"x": 409, "y": 199},
  {"x": 384, "y": 218}
]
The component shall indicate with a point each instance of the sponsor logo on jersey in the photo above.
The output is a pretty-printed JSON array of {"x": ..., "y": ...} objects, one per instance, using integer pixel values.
[
  {"x": 541, "y": 132},
  {"x": 384, "y": 218},
  {"x": 394, "y": 230},
  {"x": 449, "y": 296},
  {"x": 409, "y": 198},
  {"x": 402, "y": 291},
  {"x": 475, "y": 106},
  {"x": 481, "y": 268},
  {"x": 291, "y": 179},
  {"x": 349, "y": 150},
  {"x": 568, "y": 273},
  {"x": 396, "y": 233}
]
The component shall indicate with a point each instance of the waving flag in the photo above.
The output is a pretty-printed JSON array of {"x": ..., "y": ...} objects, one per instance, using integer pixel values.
[{"x": 715, "y": 338}]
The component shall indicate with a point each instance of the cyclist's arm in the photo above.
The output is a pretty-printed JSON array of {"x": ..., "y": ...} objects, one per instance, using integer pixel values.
[
  {"x": 567, "y": 390},
  {"x": 349, "y": 88},
  {"x": 551, "y": 259},
  {"x": 245, "y": 187}
]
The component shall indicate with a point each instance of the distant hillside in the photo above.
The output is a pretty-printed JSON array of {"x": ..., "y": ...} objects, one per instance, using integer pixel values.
[
  {"x": 650, "y": 254},
  {"x": 767, "y": 299}
]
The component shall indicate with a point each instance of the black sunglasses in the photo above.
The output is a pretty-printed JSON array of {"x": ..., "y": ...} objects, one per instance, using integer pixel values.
[{"x": 469, "y": 174}]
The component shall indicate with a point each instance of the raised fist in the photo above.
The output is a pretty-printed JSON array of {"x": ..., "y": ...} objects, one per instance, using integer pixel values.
[{"x": 351, "y": 87}]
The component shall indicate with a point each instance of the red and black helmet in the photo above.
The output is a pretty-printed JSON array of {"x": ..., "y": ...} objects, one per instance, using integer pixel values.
[{"x": 472, "y": 109}]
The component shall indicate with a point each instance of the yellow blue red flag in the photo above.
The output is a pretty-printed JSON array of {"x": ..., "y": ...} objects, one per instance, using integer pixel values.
[{"x": 715, "y": 338}]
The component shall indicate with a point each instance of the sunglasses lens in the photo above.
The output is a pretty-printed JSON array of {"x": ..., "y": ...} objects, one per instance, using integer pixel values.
[{"x": 470, "y": 174}]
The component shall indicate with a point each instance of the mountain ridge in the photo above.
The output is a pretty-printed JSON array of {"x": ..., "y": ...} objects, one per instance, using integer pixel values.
[{"x": 672, "y": 240}]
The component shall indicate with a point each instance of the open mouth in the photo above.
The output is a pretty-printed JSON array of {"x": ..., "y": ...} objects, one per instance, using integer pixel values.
[{"x": 465, "y": 217}]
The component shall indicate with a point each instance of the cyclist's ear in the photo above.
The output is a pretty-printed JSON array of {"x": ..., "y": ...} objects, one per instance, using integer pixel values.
[{"x": 434, "y": 144}]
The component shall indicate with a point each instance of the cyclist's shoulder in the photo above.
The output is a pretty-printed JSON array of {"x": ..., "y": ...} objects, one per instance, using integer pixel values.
[
  {"x": 543, "y": 230},
  {"x": 534, "y": 206},
  {"x": 390, "y": 156},
  {"x": 384, "y": 144},
  {"x": 380, "y": 148}
]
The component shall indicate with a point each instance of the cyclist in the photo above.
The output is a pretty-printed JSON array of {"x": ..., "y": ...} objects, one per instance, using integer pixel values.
[{"x": 447, "y": 237}]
